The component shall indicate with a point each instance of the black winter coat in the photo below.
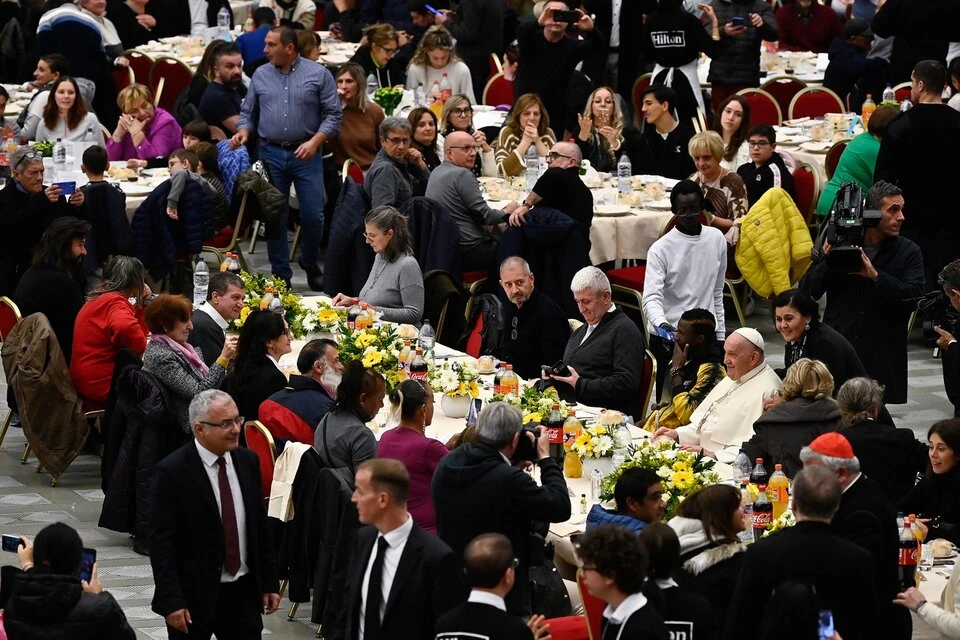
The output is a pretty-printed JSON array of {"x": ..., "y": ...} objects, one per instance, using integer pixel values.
[
  {"x": 349, "y": 259},
  {"x": 433, "y": 234},
  {"x": 46, "y": 606},
  {"x": 922, "y": 31},
  {"x": 542, "y": 333},
  {"x": 873, "y": 315},
  {"x": 889, "y": 456},
  {"x": 738, "y": 59},
  {"x": 937, "y": 496},
  {"x": 56, "y": 294},
  {"x": 781, "y": 431},
  {"x": 823, "y": 343}
]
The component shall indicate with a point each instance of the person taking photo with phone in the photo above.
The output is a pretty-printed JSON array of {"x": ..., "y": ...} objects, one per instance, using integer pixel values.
[{"x": 50, "y": 599}]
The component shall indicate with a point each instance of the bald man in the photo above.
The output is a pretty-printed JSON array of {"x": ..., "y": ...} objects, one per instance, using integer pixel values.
[
  {"x": 724, "y": 420},
  {"x": 454, "y": 186},
  {"x": 561, "y": 188}
]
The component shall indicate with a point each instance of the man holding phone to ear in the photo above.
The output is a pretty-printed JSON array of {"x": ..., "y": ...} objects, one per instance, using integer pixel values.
[
  {"x": 52, "y": 596},
  {"x": 744, "y": 24}
]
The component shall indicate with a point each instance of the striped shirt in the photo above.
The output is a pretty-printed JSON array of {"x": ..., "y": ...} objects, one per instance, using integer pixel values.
[{"x": 291, "y": 107}]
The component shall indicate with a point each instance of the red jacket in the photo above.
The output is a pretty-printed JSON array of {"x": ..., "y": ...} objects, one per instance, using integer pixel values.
[
  {"x": 104, "y": 326},
  {"x": 816, "y": 35}
]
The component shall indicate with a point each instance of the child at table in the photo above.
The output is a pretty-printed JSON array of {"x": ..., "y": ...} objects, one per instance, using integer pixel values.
[
  {"x": 183, "y": 165},
  {"x": 106, "y": 212}
]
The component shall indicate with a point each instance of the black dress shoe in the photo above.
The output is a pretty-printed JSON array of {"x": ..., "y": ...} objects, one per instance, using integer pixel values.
[{"x": 314, "y": 275}]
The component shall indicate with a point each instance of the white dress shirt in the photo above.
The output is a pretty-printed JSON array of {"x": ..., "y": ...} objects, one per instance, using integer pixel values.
[
  {"x": 615, "y": 23},
  {"x": 276, "y": 363},
  {"x": 210, "y": 465},
  {"x": 486, "y": 597},
  {"x": 631, "y": 604},
  {"x": 209, "y": 309},
  {"x": 396, "y": 541}
]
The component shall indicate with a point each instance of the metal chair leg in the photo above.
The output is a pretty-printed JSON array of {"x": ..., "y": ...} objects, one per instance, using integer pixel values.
[
  {"x": 26, "y": 454},
  {"x": 283, "y": 587},
  {"x": 55, "y": 481},
  {"x": 293, "y": 611},
  {"x": 6, "y": 425},
  {"x": 254, "y": 230}
]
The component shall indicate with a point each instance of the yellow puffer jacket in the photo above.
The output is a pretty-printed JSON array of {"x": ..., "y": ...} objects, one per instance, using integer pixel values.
[{"x": 775, "y": 244}]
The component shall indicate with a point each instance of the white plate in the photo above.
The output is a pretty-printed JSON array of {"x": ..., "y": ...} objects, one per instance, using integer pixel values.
[
  {"x": 952, "y": 554},
  {"x": 335, "y": 59},
  {"x": 611, "y": 210},
  {"x": 160, "y": 172},
  {"x": 480, "y": 108},
  {"x": 792, "y": 141},
  {"x": 498, "y": 204},
  {"x": 816, "y": 147},
  {"x": 658, "y": 205},
  {"x": 135, "y": 188}
]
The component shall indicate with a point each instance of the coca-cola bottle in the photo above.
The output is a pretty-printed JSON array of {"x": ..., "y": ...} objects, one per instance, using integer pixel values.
[
  {"x": 497, "y": 377},
  {"x": 352, "y": 314},
  {"x": 418, "y": 370},
  {"x": 554, "y": 426},
  {"x": 909, "y": 548},
  {"x": 759, "y": 475},
  {"x": 762, "y": 513}
]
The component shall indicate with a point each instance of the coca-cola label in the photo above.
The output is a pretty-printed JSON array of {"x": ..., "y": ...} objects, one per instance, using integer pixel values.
[
  {"x": 908, "y": 556},
  {"x": 555, "y": 434},
  {"x": 419, "y": 375},
  {"x": 761, "y": 519}
]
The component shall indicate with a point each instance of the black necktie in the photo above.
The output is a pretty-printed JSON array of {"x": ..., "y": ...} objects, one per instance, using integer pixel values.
[{"x": 371, "y": 620}]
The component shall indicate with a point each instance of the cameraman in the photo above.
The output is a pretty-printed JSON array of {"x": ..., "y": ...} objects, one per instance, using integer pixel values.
[
  {"x": 869, "y": 307},
  {"x": 949, "y": 279},
  {"x": 476, "y": 489}
]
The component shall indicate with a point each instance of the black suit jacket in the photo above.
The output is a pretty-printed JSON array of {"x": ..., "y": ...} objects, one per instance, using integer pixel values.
[
  {"x": 889, "y": 456},
  {"x": 867, "y": 518},
  {"x": 631, "y": 36},
  {"x": 254, "y": 385},
  {"x": 426, "y": 585},
  {"x": 208, "y": 337},
  {"x": 480, "y": 621},
  {"x": 839, "y": 570},
  {"x": 186, "y": 535}
]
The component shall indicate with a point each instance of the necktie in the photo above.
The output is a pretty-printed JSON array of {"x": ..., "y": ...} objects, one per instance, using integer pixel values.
[
  {"x": 228, "y": 513},
  {"x": 371, "y": 620}
]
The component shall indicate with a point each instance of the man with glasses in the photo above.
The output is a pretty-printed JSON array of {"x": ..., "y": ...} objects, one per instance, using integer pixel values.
[
  {"x": 768, "y": 169},
  {"x": 293, "y": 106},
  {"x": 398, "y": 172},
  {"x": 26, "y": 209},
  {"x": 685, "y": 270},
  {"x": 454, "y": 186},
  {"x": 535, "y": 329},
  {"x": 561, "y": 188},
  {"x": 213, "y": 562},
  {"x": 491, "y": 571}
]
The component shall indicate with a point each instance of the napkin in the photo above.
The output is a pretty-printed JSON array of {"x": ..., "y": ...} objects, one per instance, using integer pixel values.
[{"x": 796, "y": 121}]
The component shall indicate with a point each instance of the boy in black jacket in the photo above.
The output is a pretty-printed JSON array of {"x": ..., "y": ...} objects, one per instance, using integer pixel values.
[{"x": 768, "y": 168}]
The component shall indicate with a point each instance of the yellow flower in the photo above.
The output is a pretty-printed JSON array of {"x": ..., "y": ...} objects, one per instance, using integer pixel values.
[
  {"x": 364, "y": 340},
  {"x": 681, "y": 465},
  {"x": 327, "y": 315},
  {"x": 682, "y": 479},
  {"x": 371, "y": 358},
  {"x": 474, "y": 389},
  {"x": 244, "y": 312},
  {"x": 532, "y": 417},
  {"x": 600, "y": 430}
]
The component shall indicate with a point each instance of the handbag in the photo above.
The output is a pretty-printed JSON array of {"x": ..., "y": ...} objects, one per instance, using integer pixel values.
[{"x": 548, "y": 594}]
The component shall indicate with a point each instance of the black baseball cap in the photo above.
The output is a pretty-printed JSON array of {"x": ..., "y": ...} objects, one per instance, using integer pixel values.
[{"x": 857, "y": 27}]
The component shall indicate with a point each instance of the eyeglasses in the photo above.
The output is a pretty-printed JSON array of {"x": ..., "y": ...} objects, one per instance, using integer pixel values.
[
  {"x": 553, "y": 155},
  {"x": 371, "y": 236},
  {"x": 390, "y": 51},
  {"x": 29, "y": 155},
  {"x": 226, "y": 424},
  {"x": 467, "y": 111},
  {"x": 466, "y": 147},
  {"x": 758, "y": 143},
  {"x": 398, "y": 141},
  {"x": 513, "y": 325}
]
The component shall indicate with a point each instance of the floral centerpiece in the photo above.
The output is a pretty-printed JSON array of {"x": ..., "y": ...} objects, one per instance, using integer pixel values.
[
  {"x": 533, "y": 404},
  {"x": 377, "y": 348},
  {"x": 255, "y": 286},
  {"x": 323, "y": 319},
  {"x": 595, "y": 441},
  {"x": 785, "y": 521},
  {"x": 388, "y": 98},
  {"x": 683, "y": 473},
  {"x": 458, "y": 383}
]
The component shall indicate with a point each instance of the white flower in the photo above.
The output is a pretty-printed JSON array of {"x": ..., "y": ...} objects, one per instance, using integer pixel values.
[
  {"x": 681, "y": 499},
  {"x": 448, "y": 380},
  {"x": 666, "y": 497},
  {"x": 669, "y": 454},
  {"x": 664, "y": 472},
  {"x": 310, "y": 322},
  {"x": 603, "y": 445}
]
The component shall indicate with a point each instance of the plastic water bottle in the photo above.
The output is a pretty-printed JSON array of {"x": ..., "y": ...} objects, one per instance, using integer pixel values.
[
  {"x": 624, "y": 171},
  {"x": 446, "y": 89},
  {"x": 372, "y": 84},
  {"x": 201, "y": 280},
  {"x": 223, "y": 23},
  {"x": 59, "y": 159},
  {"x": 420, "y": 96},
  {"x": 596, "y": 487},
  {"x": 889, "y": 95},
  {"x": 428, "y": 338},
  {"x": 906, "y": 105},
  {"x": 532, "y": 163}
]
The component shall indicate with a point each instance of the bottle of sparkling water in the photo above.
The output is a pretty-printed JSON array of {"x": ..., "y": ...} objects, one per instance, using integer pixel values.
[
  {"x": 201, "y": 282},
  {"x": 624, "y": 171}
]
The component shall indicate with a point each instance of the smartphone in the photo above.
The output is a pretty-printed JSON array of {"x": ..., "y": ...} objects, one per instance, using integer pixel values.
[
  {"x": 570, "y": 17},
  {"x": 87, "y": 558},
  {"x": 826, "y": 624},
  {"x": 737, "y": 21},
  {"x": 666, "y": 334},
  {"x": 10, "y": 543},
  {"x": 432, "y": 10}
]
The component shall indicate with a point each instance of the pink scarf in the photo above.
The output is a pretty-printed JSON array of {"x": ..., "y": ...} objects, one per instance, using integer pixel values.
[{"x": 186, "y": 350}]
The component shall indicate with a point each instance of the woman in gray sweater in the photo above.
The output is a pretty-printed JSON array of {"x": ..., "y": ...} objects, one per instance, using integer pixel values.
[
  {"x": 174, "y": 361},
  {"x": 395, "y": 284}
]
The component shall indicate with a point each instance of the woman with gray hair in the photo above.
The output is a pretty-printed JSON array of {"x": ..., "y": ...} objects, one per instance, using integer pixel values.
[
  {"x": 111, "y": 320},
  {"x": 395, "y": 284},
  {"x": 892, "y": 457},
  {"x": 399, "y": 171},
  {"x": 806, "y": 410}
]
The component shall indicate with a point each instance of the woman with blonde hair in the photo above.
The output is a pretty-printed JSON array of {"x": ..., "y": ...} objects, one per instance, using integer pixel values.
[
  {"x": 722, "y": 188},
  {"x": 804, "y": 410},
  {"x": 362, "y": 116},
  {"x": 457, "y": 115},
  {"x": 378, "y": 56},
  {"x": 528, "y": 124},
  {"x": 436, "y": 58},
  {"x": 144, "y": 131},
  {"x": 600, "y": 131}
]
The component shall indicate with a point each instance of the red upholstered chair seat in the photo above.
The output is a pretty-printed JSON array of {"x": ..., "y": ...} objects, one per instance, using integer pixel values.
[{"x": 629, "y": 277}]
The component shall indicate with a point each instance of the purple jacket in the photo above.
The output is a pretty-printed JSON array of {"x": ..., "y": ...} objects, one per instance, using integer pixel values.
[{"x": 161, "y": 137}]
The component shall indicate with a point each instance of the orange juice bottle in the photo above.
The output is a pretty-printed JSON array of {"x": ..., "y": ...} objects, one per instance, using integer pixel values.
[{"x": 779, "y": 490}]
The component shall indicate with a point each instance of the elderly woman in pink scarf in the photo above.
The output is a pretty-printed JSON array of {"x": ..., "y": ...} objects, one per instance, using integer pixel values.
[{"x": 177, "y": 363}]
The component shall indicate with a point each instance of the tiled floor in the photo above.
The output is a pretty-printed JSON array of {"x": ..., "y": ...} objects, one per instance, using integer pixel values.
[{"x": 28, "y": 503}]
